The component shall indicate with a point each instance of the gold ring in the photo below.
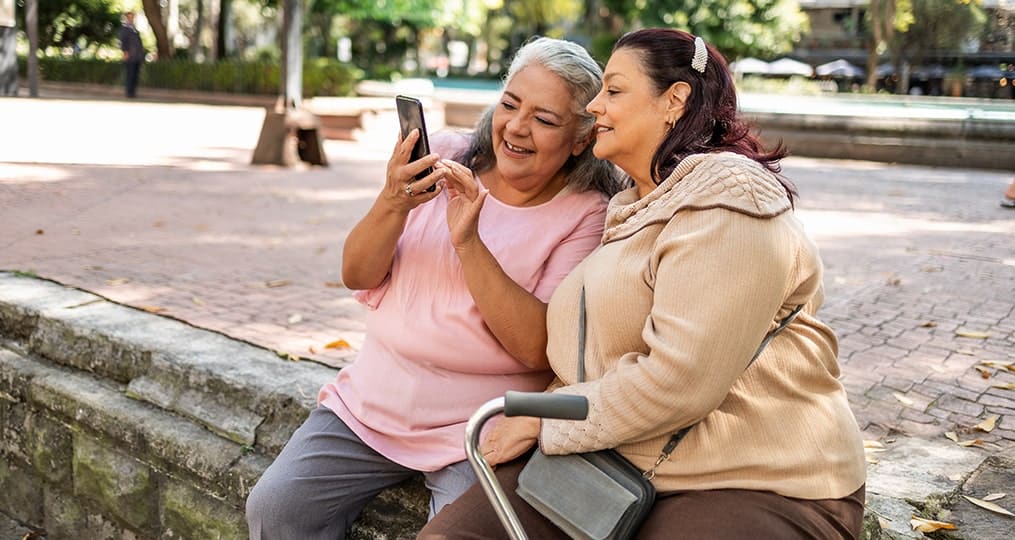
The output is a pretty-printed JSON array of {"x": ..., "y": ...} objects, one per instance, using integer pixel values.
[{"x": 408, "y": 190}]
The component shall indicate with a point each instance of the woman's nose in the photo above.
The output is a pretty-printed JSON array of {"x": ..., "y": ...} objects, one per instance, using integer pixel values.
[
  {"x": 518, "y": 124},
  {"x": 593, "y": 106}
]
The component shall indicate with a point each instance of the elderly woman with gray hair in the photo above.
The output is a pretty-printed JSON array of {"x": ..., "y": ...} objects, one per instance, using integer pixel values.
[{"x": 457, "y": 281}]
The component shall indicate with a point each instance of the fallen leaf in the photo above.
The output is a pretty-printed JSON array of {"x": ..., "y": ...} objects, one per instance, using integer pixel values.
[
  {"x": 988, "y": 505},
  {"x": 988, "y": 424},
  {"x": 1005, "y": 386},
  {"x": 974, "y": 442},
  {"x": 883, "y": 523},
  {"x": 984, "y": 372},
  {"x": 117, "y": 281},
  {"x": 966, "y": 352},
  {"x": 994, "y": 496},
  {"x": 334, "y": 284},
  {"x": 153, "y": 309},
  {"x": 338, "y": 344},
  {"x": 903, "y": 399},
  {"x": 276, "y": 283},
  {"x": 931, "y": 268},
  {"x": 40, "y": 232},
  {"x": 952, "y": 436},
  {"x": 993, "y": 364},
  {"x": 288, "y": 356},
  {"x": 871, "y": 459},
  {"x": 295, "y": 318},
  {"x": 972, "y": 334},
  {"x": 197, "y": 301},
  {"x": 929, "y": 525},
  {"x": 311, "y": 350},
  {"x": 929, "y": 324},
  {"x": 867, "y": 443}
]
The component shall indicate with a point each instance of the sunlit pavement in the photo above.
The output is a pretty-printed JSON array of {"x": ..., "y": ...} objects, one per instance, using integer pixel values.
[{"x": 155, "y": 205}]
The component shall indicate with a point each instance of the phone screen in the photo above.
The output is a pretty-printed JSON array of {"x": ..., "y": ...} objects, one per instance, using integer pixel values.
[{"x": 410, "y": 117}]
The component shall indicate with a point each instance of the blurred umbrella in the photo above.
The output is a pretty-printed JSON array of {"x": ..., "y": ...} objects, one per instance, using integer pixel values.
[
  {"x": 789, "y": 66},
  {"x": 840, "y": 69},
  {"x": 933, "y": 71},
  {"x": 749, "y": 65},
  {"x": 885, "y": 70},
  {"x": 985, "y": 72}
]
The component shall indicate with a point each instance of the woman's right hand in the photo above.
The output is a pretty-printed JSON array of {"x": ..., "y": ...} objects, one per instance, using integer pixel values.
[{"x": 402, "y": 192}]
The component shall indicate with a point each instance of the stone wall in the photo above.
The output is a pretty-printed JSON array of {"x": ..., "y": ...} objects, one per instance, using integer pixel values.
[{"x": 120, "y": 424}]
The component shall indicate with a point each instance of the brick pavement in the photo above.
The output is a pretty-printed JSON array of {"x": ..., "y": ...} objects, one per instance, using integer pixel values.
[{"x": 172, "y": 219}]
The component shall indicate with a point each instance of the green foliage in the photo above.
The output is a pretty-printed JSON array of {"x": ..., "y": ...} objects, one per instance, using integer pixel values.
[
  {"x": 737, "y": 28},
  {"x": 321, "y": 76},
  {"x": 939, "y": 24},
  {"x": 85, "y": 23}
]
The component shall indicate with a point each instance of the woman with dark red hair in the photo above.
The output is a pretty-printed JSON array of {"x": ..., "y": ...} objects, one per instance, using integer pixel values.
[{"x": 700, "y": 261}]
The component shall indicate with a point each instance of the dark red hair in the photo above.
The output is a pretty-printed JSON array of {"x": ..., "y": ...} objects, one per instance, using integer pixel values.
[{"x": 710, "y": 122}]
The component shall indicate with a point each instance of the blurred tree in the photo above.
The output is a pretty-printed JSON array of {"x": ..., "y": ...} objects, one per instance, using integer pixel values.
[
  {"x": 738, "y": 28},
  {"x": 153, "y": 12},
  {"x": 78, "y": 24},
  {"x": 885, "y": 17},
  {"x": 938, "y": 24}
]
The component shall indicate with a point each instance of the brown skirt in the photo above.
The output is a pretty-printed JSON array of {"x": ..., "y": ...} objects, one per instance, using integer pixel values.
[{"x": 720, "y": 514}]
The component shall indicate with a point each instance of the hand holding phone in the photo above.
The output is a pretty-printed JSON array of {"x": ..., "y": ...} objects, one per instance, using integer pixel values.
[{"x": 410, "y": 117}]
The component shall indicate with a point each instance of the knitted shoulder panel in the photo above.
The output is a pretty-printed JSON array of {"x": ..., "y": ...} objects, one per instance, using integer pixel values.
[{"x": 703, "y": 181}]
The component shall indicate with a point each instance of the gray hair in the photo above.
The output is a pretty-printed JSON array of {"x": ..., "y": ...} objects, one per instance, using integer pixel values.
[{"x": 583, "y": 77}]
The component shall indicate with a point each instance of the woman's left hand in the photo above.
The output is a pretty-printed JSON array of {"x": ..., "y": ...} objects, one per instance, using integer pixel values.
[
  {"x": 510, "y": 438},
  {"x": 465, "y": 200}
]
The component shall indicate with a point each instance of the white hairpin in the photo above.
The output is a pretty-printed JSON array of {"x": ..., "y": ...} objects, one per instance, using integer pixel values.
[{"x": 700, "y": 55}]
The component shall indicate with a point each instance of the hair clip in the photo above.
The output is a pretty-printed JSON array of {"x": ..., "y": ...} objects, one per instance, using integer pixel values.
[{"x": 700, "y": 55}]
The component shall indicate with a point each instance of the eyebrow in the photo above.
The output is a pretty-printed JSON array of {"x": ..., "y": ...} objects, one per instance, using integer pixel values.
[
  {"x": 612, "y": 75},
  {"x": 541, "y": 109}
]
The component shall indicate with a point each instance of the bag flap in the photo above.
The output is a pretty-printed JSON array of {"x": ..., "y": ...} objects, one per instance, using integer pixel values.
[{"x": 574, "y": 494}]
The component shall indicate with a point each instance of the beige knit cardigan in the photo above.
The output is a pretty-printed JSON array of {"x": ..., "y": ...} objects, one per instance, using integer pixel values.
[{"x": 687, "y": 282}]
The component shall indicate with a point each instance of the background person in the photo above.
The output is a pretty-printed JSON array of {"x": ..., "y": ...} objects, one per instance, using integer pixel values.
[
  {"x": 698, "y": 263},
  {"x": 133, "y": 53},
  {"x": 457, "y": 281}
]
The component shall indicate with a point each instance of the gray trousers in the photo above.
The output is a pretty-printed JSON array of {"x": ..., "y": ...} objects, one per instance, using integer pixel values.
[{"x": 324, "y": 477}]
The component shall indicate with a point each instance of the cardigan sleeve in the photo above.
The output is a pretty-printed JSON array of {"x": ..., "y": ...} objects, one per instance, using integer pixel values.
[{"x": 718, "y": 278}]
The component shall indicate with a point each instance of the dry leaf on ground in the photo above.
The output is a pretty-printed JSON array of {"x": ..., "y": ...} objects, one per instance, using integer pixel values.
[
  {"x": 117, "y": 281},
  {"x": 338, "y": 344},
  {"x": 929, "y": 525},
  {"x": 295, "y": 318},
  {"x": 955, "y": 438},
  {"x": 984, "y": 372},
  {"x": 334, "y": 284},
  {"x": 1005, "y": 386},
  {"x": 988, "y": 505},
  {"x": 902, "y": 399},
  {"x": 312, "y": 350},
  {"x": 966, "y": 352},
  {"x": 972, "y": 334},
  {"x": 952, "y": 436},
  {"x": 153, "y": 309},
  {"x": 929, "y": 324},
  {"x": 994, "y": 496},
  {"x": 277, "y": 283},
  {"x": 197, "y": 301},
  {"x": 987, "y": 424},
  {"x": 288, "y": 356}
]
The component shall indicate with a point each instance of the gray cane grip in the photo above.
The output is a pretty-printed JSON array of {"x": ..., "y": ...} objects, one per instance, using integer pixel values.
[{"x": 546, "y": 405}]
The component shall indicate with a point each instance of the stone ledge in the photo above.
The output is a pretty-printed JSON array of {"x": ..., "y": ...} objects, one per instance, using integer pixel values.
[
  {"x": 70, "y": 363},
  {"x": 231, "y": 387}
]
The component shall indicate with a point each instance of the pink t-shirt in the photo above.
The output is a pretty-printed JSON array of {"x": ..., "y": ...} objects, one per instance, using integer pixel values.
[{"x": 428, "y": 361}]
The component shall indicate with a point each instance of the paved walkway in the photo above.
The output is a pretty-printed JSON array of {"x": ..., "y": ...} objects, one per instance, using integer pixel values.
[{"x": 155, "y": 205}]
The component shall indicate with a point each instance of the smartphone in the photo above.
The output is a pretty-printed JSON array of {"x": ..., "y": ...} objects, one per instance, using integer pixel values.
[{"x": 410, "y": 117}]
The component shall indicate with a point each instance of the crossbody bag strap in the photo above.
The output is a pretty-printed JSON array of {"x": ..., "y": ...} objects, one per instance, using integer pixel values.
[{"x": 675, "y": 439}]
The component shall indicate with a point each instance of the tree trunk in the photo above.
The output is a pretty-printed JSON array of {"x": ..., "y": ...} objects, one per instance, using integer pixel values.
[
  {"x": 153, "y": 12},
  {"x": 222, "y": 30}
]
